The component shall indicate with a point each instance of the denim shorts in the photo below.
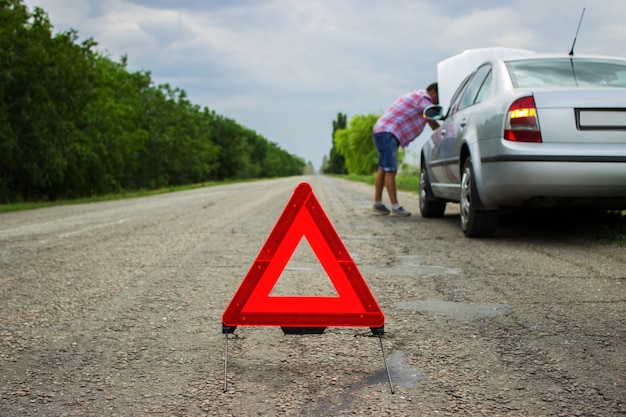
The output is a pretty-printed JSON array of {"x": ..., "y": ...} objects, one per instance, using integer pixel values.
[{"x": 387, "y": 146}]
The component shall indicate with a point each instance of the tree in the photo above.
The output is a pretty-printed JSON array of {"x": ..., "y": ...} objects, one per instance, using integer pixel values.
[
  {"x": 355, "y": 143},
  {"x": 75, "y": 123},
  {"x": 336, "y": 162},
  {"x": 44, "y": 87}
]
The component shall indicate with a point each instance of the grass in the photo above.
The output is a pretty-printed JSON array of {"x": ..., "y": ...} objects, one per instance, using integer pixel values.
[
  {"x": 404, "y": 182},
  {"x": 21, "y": 206},
  {"x": 612, "y": 228}
]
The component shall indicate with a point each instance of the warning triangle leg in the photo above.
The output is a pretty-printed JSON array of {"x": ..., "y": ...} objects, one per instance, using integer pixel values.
[
  {"x": 225, "y": 362},
  {"x": 382, "y": 348}
]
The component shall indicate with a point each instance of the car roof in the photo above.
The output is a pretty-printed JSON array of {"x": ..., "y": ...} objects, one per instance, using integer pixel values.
[
  {"x": 558, "y": 55},
  {"x": 453, "y": 70}
]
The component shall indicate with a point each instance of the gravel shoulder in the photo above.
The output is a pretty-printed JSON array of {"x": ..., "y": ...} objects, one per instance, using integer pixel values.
[{"x": 115, "y": 309}]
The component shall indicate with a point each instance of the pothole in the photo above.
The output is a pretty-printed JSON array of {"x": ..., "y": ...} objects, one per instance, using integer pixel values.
[{"x": 458, "y": 311}]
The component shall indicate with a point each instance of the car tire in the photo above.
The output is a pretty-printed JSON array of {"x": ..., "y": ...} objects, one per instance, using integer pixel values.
[
  {"x": 430, "y": 206},
  {"x": 475, "y": 220}
]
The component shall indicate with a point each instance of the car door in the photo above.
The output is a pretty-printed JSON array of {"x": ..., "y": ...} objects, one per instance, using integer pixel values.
[
  {"x": 439, "y": 156},
  {"x": 459, "y": 118}
]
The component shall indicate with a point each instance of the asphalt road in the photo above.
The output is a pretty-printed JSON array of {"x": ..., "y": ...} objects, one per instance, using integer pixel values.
[{"x": 114, "y": 309}]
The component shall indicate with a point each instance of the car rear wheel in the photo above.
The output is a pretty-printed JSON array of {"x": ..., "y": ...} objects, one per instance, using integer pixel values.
[
  {"x": 475, "y": 221},
  {"x": 430, "y": 206}
]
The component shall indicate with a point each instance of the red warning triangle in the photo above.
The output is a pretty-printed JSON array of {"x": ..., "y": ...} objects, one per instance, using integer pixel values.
[{"x": 252, "y": 304}]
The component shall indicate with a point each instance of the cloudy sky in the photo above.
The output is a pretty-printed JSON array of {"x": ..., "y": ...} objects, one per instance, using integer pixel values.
[{"x": 285, "y": 68}]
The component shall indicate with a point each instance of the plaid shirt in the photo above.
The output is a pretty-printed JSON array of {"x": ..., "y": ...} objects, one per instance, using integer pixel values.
[{"x": 404, "y": 118}]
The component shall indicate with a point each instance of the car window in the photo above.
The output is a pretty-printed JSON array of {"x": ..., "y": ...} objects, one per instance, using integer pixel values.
[
  {"x": 484, "y": 89},
  {"x": 471, "y": 92},
  {"x": 567, "y": 72},
  {"x": 454, "y": 103}
]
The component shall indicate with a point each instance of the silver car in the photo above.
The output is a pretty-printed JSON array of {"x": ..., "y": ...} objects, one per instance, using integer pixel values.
[{"x": 528, "y": 130}]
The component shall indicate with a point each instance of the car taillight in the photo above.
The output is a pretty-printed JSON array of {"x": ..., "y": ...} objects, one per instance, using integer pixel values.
[{"x": 522, "y": 124}]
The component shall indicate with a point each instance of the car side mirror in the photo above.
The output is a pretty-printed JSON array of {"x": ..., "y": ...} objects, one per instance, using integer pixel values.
[{"x": 434, "y": 112}]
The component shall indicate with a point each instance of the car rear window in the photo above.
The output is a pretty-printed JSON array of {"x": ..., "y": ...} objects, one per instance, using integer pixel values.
[{"x": 567, "y": 72}]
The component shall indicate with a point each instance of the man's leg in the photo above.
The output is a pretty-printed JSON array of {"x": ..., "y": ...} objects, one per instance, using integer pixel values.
[
  {"x": 379, "y": 184},
  {"x": 390, "y": 183},
  {"x": 387, "y": 147}
]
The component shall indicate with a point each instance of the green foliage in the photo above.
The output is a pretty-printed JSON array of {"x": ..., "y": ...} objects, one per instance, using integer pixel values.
[
  {"x": 404, "y": 181},
  {"x": 407, "y": 181},
  {"x": 356, "y": 144},
  {"x": 336, "y": 163},
  {"x": 340, "y": 123},
  {"x": 73, "y": 123}
]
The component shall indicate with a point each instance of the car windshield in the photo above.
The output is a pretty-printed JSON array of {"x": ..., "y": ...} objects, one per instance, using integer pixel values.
[{"x": 567, "y": 72}]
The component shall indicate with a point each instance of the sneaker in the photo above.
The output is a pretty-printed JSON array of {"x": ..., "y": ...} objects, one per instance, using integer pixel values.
[
  {"x": 400, "y": 212},
  {"x": 380, "y": 208}
]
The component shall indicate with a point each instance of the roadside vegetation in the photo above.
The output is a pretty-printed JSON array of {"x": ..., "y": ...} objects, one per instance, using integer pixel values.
[
  {"x": 21, "y": 206},
  {"x": 405, "y": 181},
  {"x": 74, "y": 123}
]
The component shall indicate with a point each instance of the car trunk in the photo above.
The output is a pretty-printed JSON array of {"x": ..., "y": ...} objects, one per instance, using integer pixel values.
[{"x": 580, "y": 116}]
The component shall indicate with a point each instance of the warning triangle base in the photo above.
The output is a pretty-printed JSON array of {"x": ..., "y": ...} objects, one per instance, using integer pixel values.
[{"x": 303, "y": 330}]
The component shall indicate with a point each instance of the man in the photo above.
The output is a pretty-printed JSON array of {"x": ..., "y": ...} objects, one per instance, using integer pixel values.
[{"x": 399, "y": 126}]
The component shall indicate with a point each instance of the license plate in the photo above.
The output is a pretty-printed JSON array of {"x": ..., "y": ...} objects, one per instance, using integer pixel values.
[{"x": 612, "y": 119}]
